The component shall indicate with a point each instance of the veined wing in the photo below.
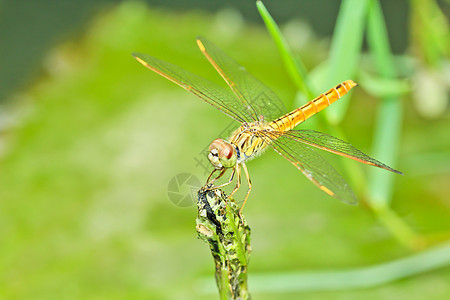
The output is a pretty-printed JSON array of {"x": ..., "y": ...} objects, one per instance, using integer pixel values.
[
  {"x": 312, "y": 165},
  {"x": 213, "y": 94},
  {"x": 255, "y": 97},
  {"x": 331, "y": 144}
]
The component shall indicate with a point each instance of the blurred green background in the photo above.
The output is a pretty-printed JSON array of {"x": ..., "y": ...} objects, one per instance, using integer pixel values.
[{"x": 89, "y": 141}]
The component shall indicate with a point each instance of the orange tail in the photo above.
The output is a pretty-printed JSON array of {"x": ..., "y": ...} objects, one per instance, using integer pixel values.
[{"x": 299, "y": 115}]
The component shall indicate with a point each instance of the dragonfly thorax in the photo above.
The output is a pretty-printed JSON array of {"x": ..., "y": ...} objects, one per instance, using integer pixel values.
[
  {"x": 247, "y": 140},
  {"x": 222, "y": 154}
]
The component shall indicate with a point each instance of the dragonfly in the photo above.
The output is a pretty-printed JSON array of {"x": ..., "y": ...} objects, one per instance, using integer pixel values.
[{"x": 264, "y": 123}]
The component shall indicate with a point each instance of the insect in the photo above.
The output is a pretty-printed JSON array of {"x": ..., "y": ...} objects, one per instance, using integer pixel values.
[{"x": 264, "y": 124}]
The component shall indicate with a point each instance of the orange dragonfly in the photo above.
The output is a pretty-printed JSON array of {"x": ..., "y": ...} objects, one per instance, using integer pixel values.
[{"x": 258, "y": 111}]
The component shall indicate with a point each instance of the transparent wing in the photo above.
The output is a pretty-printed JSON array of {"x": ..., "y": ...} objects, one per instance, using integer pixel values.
[
  {"x": 312, "y": 165},
  {"x": 329, "y": 143},
  {"x": 258, "y": 99},
  {"x": 213, "y": 94}
]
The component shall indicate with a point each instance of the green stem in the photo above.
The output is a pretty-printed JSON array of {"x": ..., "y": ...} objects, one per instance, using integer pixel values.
[
  {"x": 399, "y": 228},
  {"x": 221, "y": 226},
  {"x": 387, "y": 130},
  {"x": 358, "y": 278}
]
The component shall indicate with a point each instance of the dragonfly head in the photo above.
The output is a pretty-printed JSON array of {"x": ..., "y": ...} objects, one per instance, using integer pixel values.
[{"x": 222, "y": 154}]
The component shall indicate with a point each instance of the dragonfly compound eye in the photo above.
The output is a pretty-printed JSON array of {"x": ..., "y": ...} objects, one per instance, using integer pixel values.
[{"x": 225, "y": 153}]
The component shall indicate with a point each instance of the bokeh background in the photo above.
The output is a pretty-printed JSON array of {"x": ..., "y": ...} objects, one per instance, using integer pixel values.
[{"x": 92, "y": 146}]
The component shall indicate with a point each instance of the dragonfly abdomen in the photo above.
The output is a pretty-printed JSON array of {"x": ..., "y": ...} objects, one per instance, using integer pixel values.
[{"x": 301, "y": 114}]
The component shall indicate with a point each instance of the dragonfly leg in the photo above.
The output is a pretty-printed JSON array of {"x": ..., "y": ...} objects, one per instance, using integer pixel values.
[
  {"x": 238, "y": 181},
  {"x": 226, "y": 183},
  {"x": 249, "y": 182},
  {"x": 209, "y": 177}
]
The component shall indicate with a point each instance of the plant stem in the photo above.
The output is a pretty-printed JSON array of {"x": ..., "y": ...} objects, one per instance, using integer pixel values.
[
  {"x": 225, "y": 230},
  {"x": 387, "y": 132}
]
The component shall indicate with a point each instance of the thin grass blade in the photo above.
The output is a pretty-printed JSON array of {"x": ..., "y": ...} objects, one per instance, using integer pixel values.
[{"x": 293, "y": 65}]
